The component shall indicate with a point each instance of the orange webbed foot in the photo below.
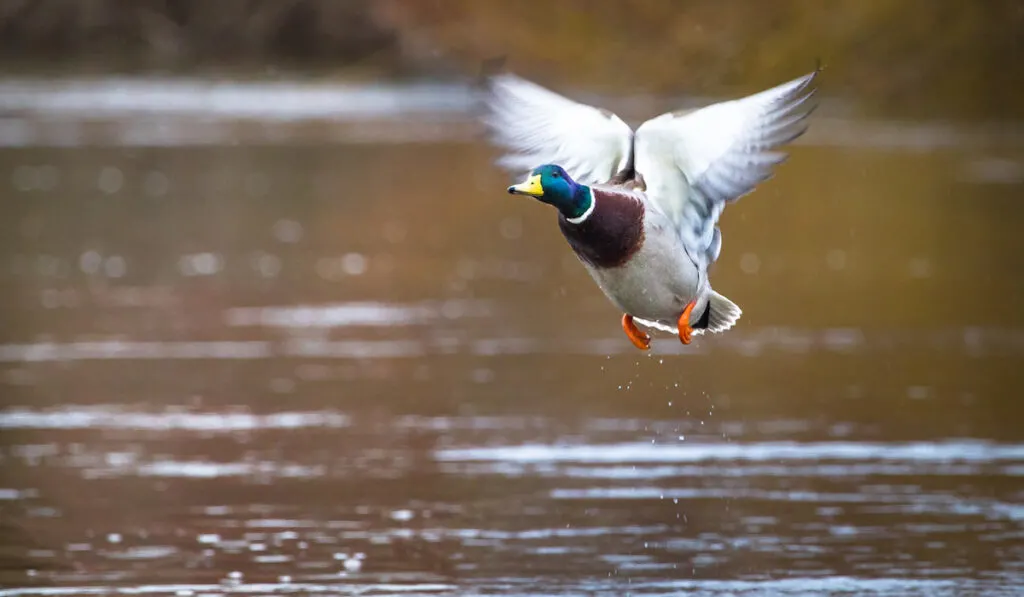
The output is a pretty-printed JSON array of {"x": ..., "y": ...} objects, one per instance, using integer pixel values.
[
  {"x": 685, "y": 331},
  {"x": 637, "y": 337}
]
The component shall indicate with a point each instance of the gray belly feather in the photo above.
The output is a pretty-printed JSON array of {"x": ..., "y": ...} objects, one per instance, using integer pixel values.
[{"x": 658, "y": 281}]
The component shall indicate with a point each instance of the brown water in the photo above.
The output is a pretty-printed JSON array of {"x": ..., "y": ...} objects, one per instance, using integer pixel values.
[{"x": 360, "y": 368}]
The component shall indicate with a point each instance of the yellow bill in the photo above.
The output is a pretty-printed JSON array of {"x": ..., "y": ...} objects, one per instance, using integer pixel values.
[{"x": 531, "y": 186}]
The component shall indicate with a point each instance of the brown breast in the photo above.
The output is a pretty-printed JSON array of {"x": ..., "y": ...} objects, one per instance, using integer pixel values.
[{"x": 612, "y": 234}]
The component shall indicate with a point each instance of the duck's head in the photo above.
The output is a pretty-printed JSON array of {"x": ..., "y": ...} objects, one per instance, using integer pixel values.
[{"x": 551, "y": 184}]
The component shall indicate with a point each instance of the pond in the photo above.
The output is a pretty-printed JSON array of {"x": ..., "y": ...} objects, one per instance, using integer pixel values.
[{"x": 254, "y": 347}]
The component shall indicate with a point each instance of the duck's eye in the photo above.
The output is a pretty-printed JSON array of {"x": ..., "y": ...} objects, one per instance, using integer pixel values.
[{"x": 555, "y": 175}]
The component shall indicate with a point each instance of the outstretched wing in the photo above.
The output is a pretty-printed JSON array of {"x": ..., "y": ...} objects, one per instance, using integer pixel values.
[
  {"x": 537, "y": 126},
  {"x": 695, "y": 163}
]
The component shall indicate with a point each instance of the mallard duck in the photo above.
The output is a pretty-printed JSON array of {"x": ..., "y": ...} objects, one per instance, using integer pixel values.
[{"x": 640, "y": 209}]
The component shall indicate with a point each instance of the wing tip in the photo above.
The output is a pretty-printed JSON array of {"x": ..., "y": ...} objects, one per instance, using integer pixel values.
[
  {"x": 811, "y": 77},
  {"x": 819, "y": 67}
]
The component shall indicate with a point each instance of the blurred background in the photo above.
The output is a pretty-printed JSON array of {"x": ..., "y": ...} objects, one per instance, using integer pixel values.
[{"x": 271, "y": 324}]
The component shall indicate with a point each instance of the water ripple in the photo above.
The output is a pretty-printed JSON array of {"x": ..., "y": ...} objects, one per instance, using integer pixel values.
[
  {"x": 188, "y": 590},
  {"x": 950, "y": 451},
  {"x": 114, "y": 418},
  {"x": 970, "y": 342},
  {"x": 354, "y": 314}
]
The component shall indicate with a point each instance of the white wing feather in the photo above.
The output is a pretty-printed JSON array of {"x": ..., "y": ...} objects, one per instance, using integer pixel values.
[
  {"x": 694, "y": 163},
  {"x": 538, "y": 126}
]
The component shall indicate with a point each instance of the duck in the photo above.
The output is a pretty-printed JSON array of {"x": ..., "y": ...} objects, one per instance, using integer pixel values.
[{"x": 640, "y": 208}]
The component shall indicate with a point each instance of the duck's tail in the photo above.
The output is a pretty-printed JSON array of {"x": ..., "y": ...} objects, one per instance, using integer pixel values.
[{"x": 722, "y": 313}]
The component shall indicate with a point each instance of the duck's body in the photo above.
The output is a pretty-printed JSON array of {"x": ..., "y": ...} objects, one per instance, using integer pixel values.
[
  {"x": 640, "y": 210},
  {"x": 633, "y": 257}
]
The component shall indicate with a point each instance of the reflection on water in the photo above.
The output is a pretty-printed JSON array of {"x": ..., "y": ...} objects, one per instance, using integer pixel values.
[{"x": 302, "y": 367}]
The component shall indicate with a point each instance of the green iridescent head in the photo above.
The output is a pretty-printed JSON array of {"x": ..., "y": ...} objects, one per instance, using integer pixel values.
[{"x": 552, "y": 185}]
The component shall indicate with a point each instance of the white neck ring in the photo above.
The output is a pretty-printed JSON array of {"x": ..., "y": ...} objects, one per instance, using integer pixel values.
[{"x": 583, "y": 217}]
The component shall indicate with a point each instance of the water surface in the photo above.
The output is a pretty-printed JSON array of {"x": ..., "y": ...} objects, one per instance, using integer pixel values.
[{"x": 267, "y": 354}]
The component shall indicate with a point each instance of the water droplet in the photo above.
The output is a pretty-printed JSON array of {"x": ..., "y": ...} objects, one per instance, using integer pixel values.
[
  {"x": 110, "y": 180},
  {"x": 920, "y": 268},
  {"x": 836, "y": 259},
  {"x": 114, "y": 266},
  {"x": 354, "y": 264},
  {"x": 269, "y": 266},
  {"x": 402, "y": 515},
  {"x": 200, "y": 264},
  {"x": 918, "y": 392},
  {"x": 750, "y": 263},
  {"x": 483, "y": 375},
  {"x": 90, "y": 261},
  {"x": 287, "y": 231},
  {"x": 114, "y": 538}
]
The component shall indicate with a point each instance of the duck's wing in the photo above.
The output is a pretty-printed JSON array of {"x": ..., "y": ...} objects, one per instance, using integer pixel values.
[
  {"x": 694, "y": 163},
  {"x": 537, "y": 126}
]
